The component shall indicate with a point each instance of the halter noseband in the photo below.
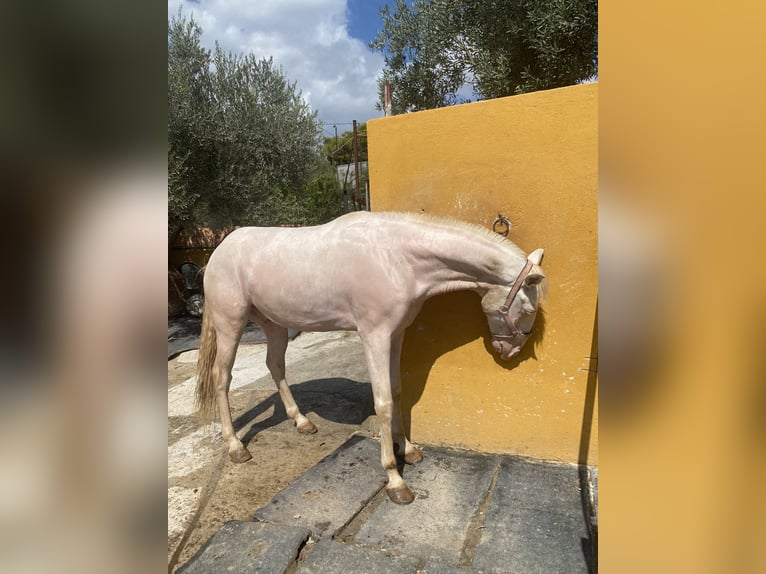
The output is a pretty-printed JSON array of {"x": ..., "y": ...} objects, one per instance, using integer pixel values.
[{"x": 507, "y": 305}]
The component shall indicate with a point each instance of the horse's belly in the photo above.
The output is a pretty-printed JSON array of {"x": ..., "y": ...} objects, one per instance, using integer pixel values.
[{"x": 307, "y": 314}]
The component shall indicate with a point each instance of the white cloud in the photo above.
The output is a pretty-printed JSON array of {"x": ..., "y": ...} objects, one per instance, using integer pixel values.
[{"x": 308, "y": 39}]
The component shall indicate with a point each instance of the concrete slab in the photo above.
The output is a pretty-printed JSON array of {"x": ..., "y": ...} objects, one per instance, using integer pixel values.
[
  {"x": 250, "y": 369},
  {"x": 248, "y": 547},
  {"x": 449, "y": 487},
  {"x": 332, "y": 492},
  {"x": 182, "y": 505},
  {"x": 330, "y": 557},
  {"x": 192, "y": 452},
  {"x": 188, "y": 357},
  {"x": 181, "y": 399},
  {"x": 435, "y": 568},
  {"x": 534, "y": 522}
]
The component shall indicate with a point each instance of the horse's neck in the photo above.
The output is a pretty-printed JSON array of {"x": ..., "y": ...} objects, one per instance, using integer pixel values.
[{"x": 457, "y": 259}]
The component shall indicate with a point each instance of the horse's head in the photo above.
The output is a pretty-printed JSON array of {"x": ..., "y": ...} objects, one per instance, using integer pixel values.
[{"x": 511, "y": 310}]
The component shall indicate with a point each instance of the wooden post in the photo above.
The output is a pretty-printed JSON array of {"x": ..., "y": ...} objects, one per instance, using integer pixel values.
[{"x": 357, "y": 198}]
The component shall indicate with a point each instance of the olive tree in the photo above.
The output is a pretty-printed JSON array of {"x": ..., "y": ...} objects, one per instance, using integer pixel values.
[
  {"x": 434, "y": 49},
  {"x": 243, "y": 145}
]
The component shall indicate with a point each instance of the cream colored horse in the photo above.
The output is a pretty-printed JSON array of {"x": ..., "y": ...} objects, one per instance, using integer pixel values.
[{"x": 369, "y": 272}]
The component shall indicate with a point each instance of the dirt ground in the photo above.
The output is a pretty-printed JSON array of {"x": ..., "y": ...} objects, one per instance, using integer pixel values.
[{"x": 334, "y": 395}]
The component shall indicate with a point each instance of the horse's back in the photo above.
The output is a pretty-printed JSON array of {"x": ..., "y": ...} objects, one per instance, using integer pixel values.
[
  {"x": 347, "y": 237},
  {"x": 302, "y": 276}
]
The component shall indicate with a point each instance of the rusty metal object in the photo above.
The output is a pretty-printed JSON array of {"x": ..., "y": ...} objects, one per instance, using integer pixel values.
[{"x": 504, "y": 223}]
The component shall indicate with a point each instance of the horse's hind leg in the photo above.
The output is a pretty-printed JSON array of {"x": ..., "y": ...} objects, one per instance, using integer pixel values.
[
  {"x": 228, "y": 334},
  {"x": 275, "y": 361}
]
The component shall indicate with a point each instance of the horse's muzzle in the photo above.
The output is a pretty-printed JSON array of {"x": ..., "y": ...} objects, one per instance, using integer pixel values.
[{"x": 505, "y": 349}]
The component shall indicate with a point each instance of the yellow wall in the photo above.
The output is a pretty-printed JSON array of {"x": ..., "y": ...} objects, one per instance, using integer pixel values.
[{"x": 532, "y": 158}]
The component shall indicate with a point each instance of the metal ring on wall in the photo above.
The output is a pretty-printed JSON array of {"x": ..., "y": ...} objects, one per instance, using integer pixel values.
[{"x": 503, "y": 221}]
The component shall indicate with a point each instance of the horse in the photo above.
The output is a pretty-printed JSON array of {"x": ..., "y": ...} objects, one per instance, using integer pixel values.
[{"x": 365, "y": 272}]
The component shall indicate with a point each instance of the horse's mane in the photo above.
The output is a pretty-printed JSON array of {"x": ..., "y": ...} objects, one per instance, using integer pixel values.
[
  {"x": 442, "y": 221},
  {"x": 452, "y": 222}
]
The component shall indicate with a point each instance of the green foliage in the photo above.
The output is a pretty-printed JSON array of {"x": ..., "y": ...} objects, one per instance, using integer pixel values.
[
  {"x": 243, "y": 146},
  {"x": 340, "y": 150},
  {"x": 191, "y": 130},
  {"x": 433, "y": 48},
  {"x": 324, "y": 197}
]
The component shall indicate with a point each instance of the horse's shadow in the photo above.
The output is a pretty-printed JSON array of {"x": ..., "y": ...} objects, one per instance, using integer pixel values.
[
  {"x": 445, "y": 323},
  {"x": 338, "y": 400},
  {"x": 453, "y": 320}
]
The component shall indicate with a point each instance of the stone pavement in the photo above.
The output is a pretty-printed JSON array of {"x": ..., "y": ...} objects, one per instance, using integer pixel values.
[
  {"x": 205, "y": 489},
  {"x": 472, "y": 513}
]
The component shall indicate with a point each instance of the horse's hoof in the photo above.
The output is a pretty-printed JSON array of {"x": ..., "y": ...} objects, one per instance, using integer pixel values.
[
  {"x": 415, "y": 456},
  {"x": 240, "y": 455},
  {"x": 306, "y": 427},
  {"x": 400, "y": 495}
]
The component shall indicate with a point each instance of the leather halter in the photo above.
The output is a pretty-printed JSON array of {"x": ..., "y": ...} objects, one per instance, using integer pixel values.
[{"x": 507, "y": 305}]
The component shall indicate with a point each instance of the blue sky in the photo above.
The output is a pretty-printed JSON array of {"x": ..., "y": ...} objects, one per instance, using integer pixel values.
[
  {"x": 320, "y": 44},
  {"x": 363, "y": 18}
]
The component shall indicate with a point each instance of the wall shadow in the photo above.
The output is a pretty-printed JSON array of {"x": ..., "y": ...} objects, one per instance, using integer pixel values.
[
  {"x": 445, "y": 323},
  {"x": 590, "y": 396},
  {"x": 588, "y": 479},
  {"x": 338, "y": 400}
]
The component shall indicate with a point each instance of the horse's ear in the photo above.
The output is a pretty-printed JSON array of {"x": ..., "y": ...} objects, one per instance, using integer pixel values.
[
  {"x": 534, "y": 277},
  {"x": 536, "y": 256}
]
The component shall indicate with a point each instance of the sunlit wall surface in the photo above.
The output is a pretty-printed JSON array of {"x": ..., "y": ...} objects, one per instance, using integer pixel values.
[{"x": 532, "y": 158}]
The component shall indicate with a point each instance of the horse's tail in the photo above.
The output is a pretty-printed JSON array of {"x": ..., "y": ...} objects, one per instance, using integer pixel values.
[{"x": 205, "y": 394}]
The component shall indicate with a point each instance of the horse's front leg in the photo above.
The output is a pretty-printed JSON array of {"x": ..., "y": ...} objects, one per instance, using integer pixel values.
[
  {"x": 409, "y": 451},
  {"x": 377, "y": 348}
]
